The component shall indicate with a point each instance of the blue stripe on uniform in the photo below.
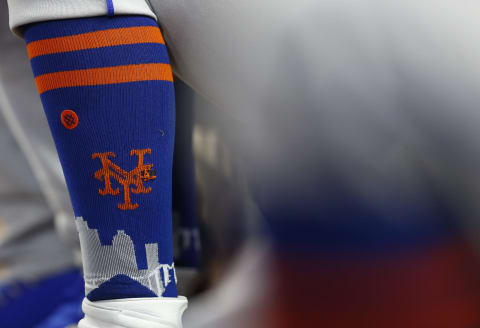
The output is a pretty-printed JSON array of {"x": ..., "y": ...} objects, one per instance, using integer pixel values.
[
  {"x": 143, "y": 53},
  {"x": 110, "y": 9},
  {"x": 54, "y": 29}
]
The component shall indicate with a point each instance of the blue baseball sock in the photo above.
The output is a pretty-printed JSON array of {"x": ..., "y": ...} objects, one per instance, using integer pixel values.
[{"x": 107, "y": 89}]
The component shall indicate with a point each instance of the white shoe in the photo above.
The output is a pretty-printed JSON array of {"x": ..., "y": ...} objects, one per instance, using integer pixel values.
[{"x": 158, "y": 312}]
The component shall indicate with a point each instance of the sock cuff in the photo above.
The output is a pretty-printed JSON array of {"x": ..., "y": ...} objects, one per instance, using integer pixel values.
[
  {"x": 97, "y": 51},
  {"x": 62, "y": 28}
]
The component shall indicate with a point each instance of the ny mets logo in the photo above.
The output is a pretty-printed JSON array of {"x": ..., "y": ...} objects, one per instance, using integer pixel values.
[{"x": 131, "y": 181}]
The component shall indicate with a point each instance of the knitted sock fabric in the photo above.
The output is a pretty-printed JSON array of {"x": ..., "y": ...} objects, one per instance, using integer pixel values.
[
  {"x": 184, "y": 200},
  {"x": 106, "y": 87}
]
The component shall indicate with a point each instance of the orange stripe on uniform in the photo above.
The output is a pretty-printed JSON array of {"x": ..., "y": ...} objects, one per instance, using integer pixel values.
[
  {"x": 98, "y": 39},
  {"x": 105, "y": 75}
]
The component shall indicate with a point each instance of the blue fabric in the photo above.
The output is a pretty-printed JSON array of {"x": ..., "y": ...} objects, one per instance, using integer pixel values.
[
  {"x": 308, "y": 220},
  {"x": 24, "y": 305},
  {"x": 120, "y": 286},
  {"x": 53, "y": 29},
  {"x": 184, "y": 200},
  {"x": 110, "y": 8},
  {"x": 67, "y": 314},
  {"x": 118, "y": 118},
  {"x": 114, "y": 118},
  {"x": 102, "y": 57}
]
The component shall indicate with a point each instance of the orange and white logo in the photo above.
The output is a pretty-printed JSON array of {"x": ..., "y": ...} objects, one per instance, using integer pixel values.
[{"x": 131, "y": 181}]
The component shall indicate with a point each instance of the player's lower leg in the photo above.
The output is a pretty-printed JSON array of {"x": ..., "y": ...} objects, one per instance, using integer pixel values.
[{"x": 106, "y": 87}]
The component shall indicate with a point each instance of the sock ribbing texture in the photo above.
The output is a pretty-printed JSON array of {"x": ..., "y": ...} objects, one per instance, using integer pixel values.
[{"x": 107, "y": 90}]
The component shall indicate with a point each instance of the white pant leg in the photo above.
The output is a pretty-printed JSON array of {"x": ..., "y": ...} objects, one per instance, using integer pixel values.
[{"x": 30, "y": 11}]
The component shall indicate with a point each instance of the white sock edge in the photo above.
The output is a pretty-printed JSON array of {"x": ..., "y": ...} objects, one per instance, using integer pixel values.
[{"x": 154, "y": 312}]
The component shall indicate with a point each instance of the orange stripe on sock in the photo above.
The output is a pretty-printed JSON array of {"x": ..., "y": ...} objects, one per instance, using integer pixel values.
[
  {"x": 106, "y": 38},
  {"x": 105, "y": 75}
]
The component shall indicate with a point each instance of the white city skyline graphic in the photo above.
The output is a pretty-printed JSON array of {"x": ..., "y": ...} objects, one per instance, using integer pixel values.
[{"x": 103, "y": 262}]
